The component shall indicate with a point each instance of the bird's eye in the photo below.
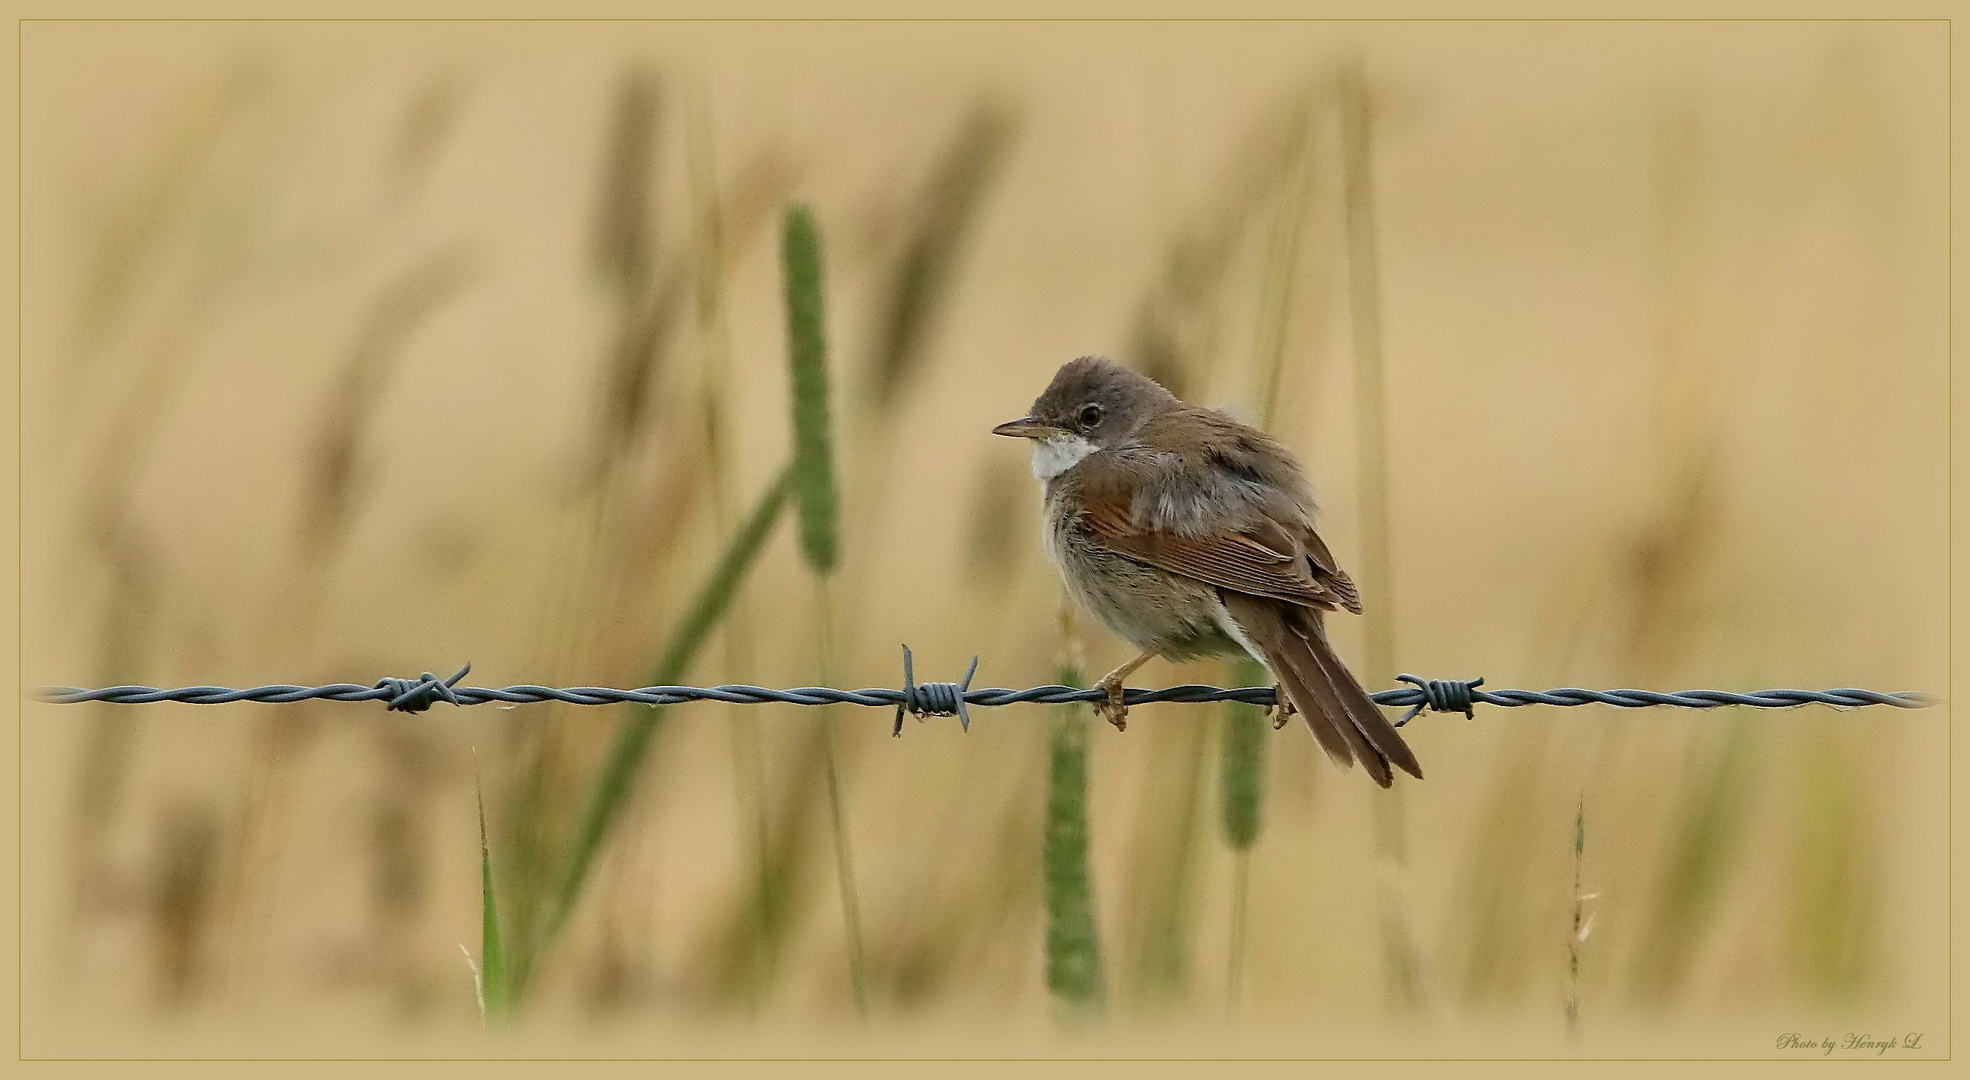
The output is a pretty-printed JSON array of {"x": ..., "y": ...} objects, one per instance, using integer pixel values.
[{"x": 1090, "y": 415}]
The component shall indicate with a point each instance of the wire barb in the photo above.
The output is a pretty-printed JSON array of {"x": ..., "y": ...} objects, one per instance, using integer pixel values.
[
  {"x": 934, "y": 698},
  {"x": 1441, "y": 695},
  {"x": 417, "y": 695}
]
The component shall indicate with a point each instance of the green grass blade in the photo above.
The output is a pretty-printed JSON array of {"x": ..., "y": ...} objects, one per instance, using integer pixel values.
[
  {"x": 616, "y": 781},
  {"x": 492, "y": 957},
  {"x": 716, "y": 595},
  {"x": 807, "y": 353}
]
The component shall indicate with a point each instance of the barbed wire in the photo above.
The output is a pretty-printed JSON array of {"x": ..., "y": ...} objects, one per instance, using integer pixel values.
[{"x": 955, "y": 698}]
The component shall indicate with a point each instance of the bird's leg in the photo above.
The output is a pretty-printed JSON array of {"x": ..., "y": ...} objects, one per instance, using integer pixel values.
[
  {"x": 1113, "y": 710},
  {"x": 1282, "y": 708}
]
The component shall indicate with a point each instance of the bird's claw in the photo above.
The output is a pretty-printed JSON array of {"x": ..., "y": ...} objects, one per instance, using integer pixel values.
[
  {"x": 1111, "y": 708},
  {"x": 1281, "y": 709}
]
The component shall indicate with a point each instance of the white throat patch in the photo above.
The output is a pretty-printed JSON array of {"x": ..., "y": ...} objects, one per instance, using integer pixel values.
[{"x": 1054, "y": 456}]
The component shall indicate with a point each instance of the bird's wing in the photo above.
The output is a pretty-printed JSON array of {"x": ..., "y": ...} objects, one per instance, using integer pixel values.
[{"x": 1266, "y": 558}]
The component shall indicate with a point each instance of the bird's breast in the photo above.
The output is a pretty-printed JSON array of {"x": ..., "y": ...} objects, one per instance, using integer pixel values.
[{"x": 1149, "y": 607}]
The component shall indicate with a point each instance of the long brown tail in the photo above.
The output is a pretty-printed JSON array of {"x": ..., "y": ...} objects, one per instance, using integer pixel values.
[{"x": 1345, "y": 721}]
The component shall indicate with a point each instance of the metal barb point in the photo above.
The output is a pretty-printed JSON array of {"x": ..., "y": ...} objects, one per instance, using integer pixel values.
[
  {"x": 964, "y": 712},
  {"x": 933, "y": 698},
  {"x": 909, "y": 692},
  {"x": 417, "y": 695}
]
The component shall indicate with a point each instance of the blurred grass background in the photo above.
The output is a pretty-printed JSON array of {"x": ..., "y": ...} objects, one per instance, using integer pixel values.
[{"x": 366, "y": 350}]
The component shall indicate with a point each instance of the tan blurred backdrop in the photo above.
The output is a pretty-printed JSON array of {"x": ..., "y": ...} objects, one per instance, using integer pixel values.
[{"x": 362, "y": 350}]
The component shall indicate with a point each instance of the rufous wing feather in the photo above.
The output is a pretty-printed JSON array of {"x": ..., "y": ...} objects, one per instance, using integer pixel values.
[{"x": 1266, "y": 559}]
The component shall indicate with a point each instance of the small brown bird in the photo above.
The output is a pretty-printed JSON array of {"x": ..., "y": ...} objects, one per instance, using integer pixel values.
[{"x": 1191, "y": 534}]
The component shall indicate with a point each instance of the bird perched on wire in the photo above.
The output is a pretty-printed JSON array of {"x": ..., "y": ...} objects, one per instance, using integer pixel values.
[{"x": 1191, "y": 534}]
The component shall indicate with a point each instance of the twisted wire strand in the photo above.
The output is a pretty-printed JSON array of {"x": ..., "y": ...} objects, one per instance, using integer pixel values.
[{"x": 947, "y": 699}]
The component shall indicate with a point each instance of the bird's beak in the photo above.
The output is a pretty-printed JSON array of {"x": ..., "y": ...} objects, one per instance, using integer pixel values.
[{"x": 1028, "y": 428}]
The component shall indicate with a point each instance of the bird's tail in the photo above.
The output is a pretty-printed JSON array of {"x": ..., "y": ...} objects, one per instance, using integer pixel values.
[{"x": 1345, "y": 720}]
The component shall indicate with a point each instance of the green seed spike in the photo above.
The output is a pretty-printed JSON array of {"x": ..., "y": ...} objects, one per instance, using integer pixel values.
[
  {"x": 807, "y": 353},
  {"x": 1073, "y": 949},
  {"x": 1242, "y": 784}
]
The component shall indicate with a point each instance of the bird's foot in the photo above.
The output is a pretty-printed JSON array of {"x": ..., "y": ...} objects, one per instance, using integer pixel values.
[
  {"x": 1111, "y": 708},
  {"x": 1281, "y": 709}
]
